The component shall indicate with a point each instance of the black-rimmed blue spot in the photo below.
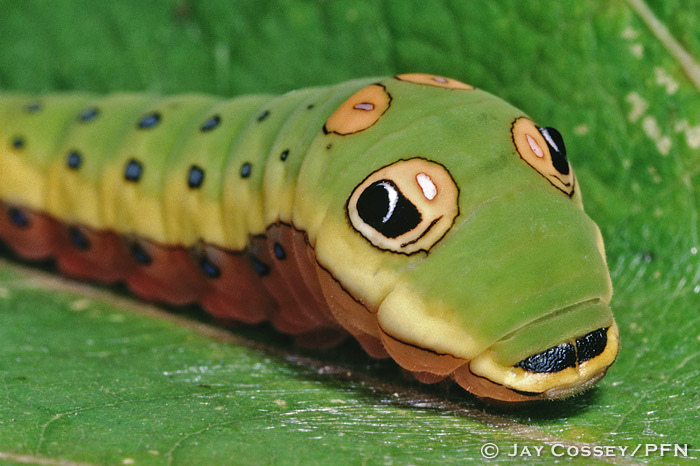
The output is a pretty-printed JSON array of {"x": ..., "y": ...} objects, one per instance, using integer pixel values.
[
  {"x": 78, "y": 238},
  {"x": 133, "y": 170},
  {"x": 210, "y": 124},
  {"x": 261, "y": 268},
  {"x": 263, "y": 115},
  {"x": 89, "y": 114},
  {"x": 246, "y": 169},
  {"x": 139, "y": 254},
  {"x": 74, "y": 160},
  {"x": 17, "y": 142},
  {"x": 33, "y": 107},
  {"x": 209, "y": 268},
  {"x": 279, "y": 251},
  {"x": 195, "y": 177},
  {"x": 284, "y": 155},
  {"x": 310, "y": 106},
  {"x": 149, "y": 120},
  {"x": 18, "y": 217}
]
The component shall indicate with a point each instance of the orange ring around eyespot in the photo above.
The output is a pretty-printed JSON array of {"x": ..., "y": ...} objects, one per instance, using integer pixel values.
[
  {"x": 438, "y": 207},
  {"x": 433, "y": 80}
]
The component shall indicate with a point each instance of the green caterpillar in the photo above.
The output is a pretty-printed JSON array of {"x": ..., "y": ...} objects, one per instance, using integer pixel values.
[{"x": 434, "y": 222}]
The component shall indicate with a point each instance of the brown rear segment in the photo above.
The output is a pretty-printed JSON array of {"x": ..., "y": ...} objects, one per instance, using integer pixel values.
[
  {"x": 31, "y": 235},
  {"x": 267, "y": 281},
  {"x": 236, "y": 294},
  {"x": 276, "y": 278},
  {"x": 104, "y": 258}
]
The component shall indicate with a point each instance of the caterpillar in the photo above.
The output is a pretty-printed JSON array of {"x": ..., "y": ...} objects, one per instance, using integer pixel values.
[{"x": 432, "y": 221}]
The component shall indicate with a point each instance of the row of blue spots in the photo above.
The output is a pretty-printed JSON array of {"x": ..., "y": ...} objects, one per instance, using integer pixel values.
[
  {"x": 133, "y": 172},
  {"x": 81, "y": 241}
]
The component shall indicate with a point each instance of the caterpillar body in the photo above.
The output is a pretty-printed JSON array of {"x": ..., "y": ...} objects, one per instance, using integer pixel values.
[{"x": 434, "y": 222}]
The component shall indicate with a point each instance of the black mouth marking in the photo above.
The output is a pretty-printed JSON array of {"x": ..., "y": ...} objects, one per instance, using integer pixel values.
[
  {"x": 592, "y": 344},
  {"x": 566, "y": 355}
]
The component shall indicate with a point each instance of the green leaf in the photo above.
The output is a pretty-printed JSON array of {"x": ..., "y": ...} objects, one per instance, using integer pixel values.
[{"x": 91, "y": 376}]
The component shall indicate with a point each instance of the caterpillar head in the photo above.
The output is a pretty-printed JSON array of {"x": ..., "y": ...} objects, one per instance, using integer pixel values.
[{"x": 456, "y": 225}]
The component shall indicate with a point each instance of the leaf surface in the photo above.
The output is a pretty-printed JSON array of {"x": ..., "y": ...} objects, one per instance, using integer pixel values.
[{"x": 91, "y": 376}]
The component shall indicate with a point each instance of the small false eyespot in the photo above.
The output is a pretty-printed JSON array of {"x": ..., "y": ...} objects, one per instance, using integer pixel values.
[
  {"x": 433, "y": 80},
  {"x": 543, "y": 149},
  {"x": 405, "y": 207},
  {"x": 362, "y": 110}
]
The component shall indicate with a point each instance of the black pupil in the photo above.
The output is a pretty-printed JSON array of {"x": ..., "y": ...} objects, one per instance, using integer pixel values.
[
  {"x": 557, "y": 149},
  {"x": 382, "y": 206}
]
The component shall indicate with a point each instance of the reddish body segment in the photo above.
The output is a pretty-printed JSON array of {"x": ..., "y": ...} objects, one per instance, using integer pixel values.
[{"x": 329, "y": 212}]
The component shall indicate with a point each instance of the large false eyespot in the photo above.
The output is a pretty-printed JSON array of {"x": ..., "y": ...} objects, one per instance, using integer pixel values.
[
  {"x": 543, "y": 149},
  {"x": 405, "y": 207}
]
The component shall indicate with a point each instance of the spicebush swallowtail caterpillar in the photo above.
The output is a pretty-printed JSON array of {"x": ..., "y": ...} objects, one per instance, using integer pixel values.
[{"x": 434, "y": 222}]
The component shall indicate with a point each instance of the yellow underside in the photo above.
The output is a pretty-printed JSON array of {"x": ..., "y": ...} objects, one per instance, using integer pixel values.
[{"x": 519, "y": 379}]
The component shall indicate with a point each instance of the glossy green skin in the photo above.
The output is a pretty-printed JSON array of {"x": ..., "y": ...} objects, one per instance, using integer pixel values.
[{"x": 520, "y": 250}]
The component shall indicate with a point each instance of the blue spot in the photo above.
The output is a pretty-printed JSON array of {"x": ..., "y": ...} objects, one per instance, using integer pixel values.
[
  {"x": 149, "y": 121},
  {"x": 78, "y": 238},
  {"x": 263, "y": 115},
  {"x": 74, "y": 160},
  {"x": 209, "y": 268},
  {"x": 261, "y": 268},
  {"x": 284, "y": 155},
  {"x": 33, "y": 107},
  {"x": 195, "y": 177},
  {"x": 18, "y": 217},
  {"x": 133, "y": 170},
  {"x": 210, "y": 124},
  {"x": 279, "y": 251},
  {"x": 139, "y": 254},
  {"x": 89, "y": 114},
  {"x": 18, "y": 142},
  {"x": 245, "y": 170}
]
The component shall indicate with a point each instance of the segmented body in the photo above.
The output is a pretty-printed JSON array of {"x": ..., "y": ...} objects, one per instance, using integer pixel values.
[
  {"x": 132, "y": 187},
  {"x": 328, "y": 211}
]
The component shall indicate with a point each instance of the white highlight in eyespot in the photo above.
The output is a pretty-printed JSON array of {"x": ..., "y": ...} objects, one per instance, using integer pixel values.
[
  {"x": 427, "y": 185},
  {"x": 549, "y": 139},
  {"x": 393, "y": 200},
  {"x": 534, "y": 146},
  {"x": 364, "y": 106}
]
